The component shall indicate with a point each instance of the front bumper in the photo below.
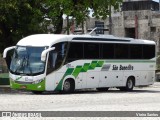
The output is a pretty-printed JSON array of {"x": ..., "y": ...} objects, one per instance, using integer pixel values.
[{"x": 31, "y": 87}]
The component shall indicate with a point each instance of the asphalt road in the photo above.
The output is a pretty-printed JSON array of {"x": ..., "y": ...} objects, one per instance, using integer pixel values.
[{"x": 140, "y": 99}]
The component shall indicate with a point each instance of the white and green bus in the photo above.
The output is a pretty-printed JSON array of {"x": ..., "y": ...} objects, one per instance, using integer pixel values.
[{"x": 48, "y": 62}]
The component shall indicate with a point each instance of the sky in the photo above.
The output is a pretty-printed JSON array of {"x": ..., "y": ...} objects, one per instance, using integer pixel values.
[{"x": 156, "y": 0}]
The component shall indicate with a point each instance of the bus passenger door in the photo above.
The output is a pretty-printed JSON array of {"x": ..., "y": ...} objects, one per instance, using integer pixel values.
[{"x": 50, "y": 85}]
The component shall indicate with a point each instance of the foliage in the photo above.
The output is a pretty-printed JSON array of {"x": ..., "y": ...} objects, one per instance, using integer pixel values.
[
  {"x": 79, "y": 9},
  {"x": 101, "y": 7},
  {"x": 20, "y": 18}
]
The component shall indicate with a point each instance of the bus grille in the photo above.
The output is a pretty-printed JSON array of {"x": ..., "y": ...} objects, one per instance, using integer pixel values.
[{"x": 22, "y": 82}]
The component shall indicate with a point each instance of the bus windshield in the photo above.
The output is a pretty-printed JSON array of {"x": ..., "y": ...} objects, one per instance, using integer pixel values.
[{"x": 27, "y": 60}]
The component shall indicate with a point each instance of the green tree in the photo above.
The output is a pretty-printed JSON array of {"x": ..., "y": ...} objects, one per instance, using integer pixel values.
[
  {"x": 19, "y": 18},
  {"x": 78, "y": 9}
]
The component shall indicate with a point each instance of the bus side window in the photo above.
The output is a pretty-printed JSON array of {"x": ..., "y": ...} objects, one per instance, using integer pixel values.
[
  {"x": 108, "y": 51},
  {"x": 121, "y": 51},
  {"x": 92, "y": 50},
  {"x": 75, "y": 52},
  {"x": 148, "y": 51},
  {"x": 135, "y": 51}
]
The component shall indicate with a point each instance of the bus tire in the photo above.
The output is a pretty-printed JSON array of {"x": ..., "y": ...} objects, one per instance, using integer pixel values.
[
  {"x": 68, "y": 86},
  {"x": 102, "y": 89},
  {"x": 37, "y": 92},
  {"x": 130, "y": 84}
]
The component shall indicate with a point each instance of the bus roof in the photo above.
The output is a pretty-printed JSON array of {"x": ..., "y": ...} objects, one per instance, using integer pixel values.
[
  {"x": 50, "y": 39},
  {"x": 41, "y": 40}
]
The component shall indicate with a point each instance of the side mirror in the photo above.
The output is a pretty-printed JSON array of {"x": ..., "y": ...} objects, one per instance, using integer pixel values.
[
  {"x": 6, "y": 50},
  {"x": 44, "y": 53},
  {"x": 7, "y": 53}
]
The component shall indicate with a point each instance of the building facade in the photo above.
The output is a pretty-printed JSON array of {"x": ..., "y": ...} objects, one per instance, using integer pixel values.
[{"x": 136, "y": 19}]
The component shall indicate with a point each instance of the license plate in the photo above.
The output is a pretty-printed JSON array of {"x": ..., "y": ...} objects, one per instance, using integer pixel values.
[{"x": 23, "y": 87}]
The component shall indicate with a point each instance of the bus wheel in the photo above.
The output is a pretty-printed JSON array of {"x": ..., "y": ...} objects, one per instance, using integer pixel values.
[
  {"x": 130, "y": 84},
  {"x": 68, "y": 86},
  {"x": 102, "y": 89},
  {"x": 37, "y": 92}
]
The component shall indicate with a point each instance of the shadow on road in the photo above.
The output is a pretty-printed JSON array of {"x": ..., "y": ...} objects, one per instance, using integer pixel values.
[{"x": 86, "y": 91}]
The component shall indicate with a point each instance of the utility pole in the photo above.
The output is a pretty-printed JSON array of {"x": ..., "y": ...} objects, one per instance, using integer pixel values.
[
  {"x": 159, "y": 5},
  {"x": 136, "y": 26},
  {"x": 110, "y": 18},
  {"x": 68, "y": 25}
]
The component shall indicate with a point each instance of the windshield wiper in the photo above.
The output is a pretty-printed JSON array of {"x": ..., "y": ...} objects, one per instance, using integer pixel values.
[
  {"x": 24, "y": 63},
  {"x": 28, "y": 64},
  {"x": 21, "y": 65}
]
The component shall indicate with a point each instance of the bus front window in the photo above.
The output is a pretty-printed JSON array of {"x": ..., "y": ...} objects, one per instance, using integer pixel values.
[{"x": 27, "y": 61}]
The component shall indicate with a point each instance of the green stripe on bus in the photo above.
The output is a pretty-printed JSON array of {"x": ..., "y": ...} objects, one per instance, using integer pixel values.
[
  {"x": 68, "y": 72},
  {"x": 94, "y": 64},
  {"x": 85, "y": 67},
  {"x": 78, "y": 69}
]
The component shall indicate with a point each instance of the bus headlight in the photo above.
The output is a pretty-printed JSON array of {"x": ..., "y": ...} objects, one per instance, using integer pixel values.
[{"x": 37, "y": 81}]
